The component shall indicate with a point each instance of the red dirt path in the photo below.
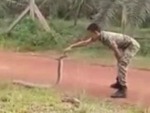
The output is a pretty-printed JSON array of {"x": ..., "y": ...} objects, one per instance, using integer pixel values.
[{"x": 94, "y": 79}]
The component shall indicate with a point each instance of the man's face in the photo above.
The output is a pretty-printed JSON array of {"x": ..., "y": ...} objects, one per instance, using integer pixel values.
[{"x": 91, "y": 34}]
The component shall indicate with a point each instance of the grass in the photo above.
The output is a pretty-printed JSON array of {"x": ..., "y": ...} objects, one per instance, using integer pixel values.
[
  {"x": 141, "y": 62},
  {"x": 105, "y": 57},
  {"x": 18, "y": 99}
]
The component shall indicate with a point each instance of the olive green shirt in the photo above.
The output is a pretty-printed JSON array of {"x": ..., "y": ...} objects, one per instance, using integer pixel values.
[{"x": 122, "y": 41}]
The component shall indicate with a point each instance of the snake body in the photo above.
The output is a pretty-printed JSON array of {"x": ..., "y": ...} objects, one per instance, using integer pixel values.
[{"x": 60, "y": 68}]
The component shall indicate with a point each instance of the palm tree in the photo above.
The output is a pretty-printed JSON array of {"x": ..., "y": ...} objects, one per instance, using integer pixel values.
[
  {"x": 81, "y": 3},
  {"x": 134, "y": 12},
  {"x": 138, "y": 12}
]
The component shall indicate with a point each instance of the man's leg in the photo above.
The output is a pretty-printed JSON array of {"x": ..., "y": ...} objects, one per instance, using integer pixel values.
[
  {"x": 122, "y": 70},
  {"x": 116, "y": 85}
]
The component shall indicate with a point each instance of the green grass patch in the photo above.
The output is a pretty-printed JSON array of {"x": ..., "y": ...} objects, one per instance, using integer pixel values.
[
  {"x": 104, "y": 56},
  {"x": 18, "y": 99},
  {"x": 141, "y": 62}
]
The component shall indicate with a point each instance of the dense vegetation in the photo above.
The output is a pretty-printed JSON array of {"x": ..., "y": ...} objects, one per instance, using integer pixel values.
[{"x": 68, "y": 20}]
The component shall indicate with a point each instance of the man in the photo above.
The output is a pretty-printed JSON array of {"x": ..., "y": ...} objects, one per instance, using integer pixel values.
[{"x": 124, "y": 48}]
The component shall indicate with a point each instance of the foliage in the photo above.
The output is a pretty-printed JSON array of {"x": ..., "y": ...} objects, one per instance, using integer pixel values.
[
  {"x": 28, "y": 35},
  {"x": 106, "y": 10}
]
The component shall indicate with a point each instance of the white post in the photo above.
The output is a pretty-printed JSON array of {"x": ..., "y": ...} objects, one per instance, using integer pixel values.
[
  {"x": 32, "y": 2},
  {"x": 41, "y": 18},
  {"x": 18, "y": 19}
]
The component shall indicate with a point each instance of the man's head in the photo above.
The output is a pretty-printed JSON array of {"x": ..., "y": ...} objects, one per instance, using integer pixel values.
[
  {"x": 93, "y": 30},
  {"x": 93, "y": 27}
]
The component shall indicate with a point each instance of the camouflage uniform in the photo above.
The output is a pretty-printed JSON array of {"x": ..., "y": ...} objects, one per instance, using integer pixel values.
[{"x": 127, "y": 45}]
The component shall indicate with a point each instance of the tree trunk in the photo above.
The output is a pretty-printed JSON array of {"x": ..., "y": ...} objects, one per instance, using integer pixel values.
[
  {"x": 124, "y": 19},
  {"x": 78, "y": 12}
]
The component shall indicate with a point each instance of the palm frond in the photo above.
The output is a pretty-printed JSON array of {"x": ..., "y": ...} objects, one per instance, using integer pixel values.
[
  {"x": 107, "y": 11},
  {"x": 138, "y": 12}
]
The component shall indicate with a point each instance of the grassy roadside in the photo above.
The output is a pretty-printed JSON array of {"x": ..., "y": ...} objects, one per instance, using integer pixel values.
[
  {"x": 18, "y": 99},
  {"x": 106, "y": 57},
  {"x": 103, "y": 57}
]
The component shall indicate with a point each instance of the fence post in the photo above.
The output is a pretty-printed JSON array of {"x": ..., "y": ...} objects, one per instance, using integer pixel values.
[{"x": 32, "y": 14}]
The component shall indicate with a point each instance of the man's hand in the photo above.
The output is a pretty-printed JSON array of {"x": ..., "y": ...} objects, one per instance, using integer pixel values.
[
  {"x": 67, "y": 49},
  {"x": 117, "y": 52},
  {"x": 118, "y": 55}
]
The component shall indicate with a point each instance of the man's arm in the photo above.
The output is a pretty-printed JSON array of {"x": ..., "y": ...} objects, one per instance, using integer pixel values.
[
  {"x": 116, "y": 50},
  {"x": 86, "y": 41},
  {"x": 82, "y": 43}
]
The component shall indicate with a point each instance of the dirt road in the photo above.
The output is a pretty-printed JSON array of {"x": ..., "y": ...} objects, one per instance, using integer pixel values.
[{"x": 93, "y": 79}]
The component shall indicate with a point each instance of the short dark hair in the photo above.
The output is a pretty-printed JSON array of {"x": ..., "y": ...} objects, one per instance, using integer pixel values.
[{"x": 94, "y": 27}]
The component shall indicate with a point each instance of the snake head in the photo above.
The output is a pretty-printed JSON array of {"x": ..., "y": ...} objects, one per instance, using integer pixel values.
[{"x": 62, "y": 56}]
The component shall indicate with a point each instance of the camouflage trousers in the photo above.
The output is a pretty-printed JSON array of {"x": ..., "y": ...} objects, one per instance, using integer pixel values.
[{"x": 124, "y": 61}]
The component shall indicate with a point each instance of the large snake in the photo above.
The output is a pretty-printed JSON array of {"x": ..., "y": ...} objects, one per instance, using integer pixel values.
[{"x": 60, "y": 67}]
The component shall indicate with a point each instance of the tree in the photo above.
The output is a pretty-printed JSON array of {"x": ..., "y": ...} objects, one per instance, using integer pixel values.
[
  {"x": 134, "y": 12},
  {"x": 131, "y": 12}
]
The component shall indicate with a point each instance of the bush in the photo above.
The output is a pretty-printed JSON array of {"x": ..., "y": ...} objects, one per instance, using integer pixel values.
[{"x": 27, "y": 36}]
